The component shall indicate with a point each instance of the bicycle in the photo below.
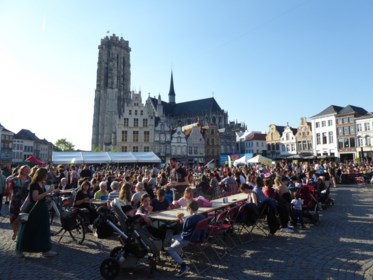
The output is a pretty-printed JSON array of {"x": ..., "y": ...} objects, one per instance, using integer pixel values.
[{"x": 72, "y": 219}]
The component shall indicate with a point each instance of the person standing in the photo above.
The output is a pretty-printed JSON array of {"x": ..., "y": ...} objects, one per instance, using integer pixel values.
[
  {"x": 18, "y": 187},
  {"x": 34, "y": 235},
  {"x": 179, "y": 178}
]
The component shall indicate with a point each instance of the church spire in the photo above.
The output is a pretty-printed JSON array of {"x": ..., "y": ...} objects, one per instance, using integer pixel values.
[{"x": 171, "y": 94}]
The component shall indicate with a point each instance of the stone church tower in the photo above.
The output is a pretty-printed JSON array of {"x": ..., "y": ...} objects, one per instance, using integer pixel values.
[{"x": 112, "y": 90}]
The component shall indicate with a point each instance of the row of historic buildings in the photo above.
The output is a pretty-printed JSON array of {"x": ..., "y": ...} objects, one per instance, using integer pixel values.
[
  {"x": 341, "y": 132},
  {"x": 16, "y": 147}
]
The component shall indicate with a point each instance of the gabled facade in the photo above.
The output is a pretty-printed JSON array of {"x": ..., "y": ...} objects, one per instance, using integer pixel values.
[
  {"x": 364, "y": 136},
  {"x": 288, "y": 142},
  {"x": 273, "y": 139},
  {"x": 212, "y": 143},
  {"x": 346, "y": 132},
  {"x": 179, "y": 145},
  {"x": 324, "y": 137},
  {"x": 304, "y": 137},
  {"x": 196, "y": 145},
  {"x": 136, "y": 127}
]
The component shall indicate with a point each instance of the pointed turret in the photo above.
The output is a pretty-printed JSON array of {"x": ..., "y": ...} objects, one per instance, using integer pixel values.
[{"x": 171, "y": 94}]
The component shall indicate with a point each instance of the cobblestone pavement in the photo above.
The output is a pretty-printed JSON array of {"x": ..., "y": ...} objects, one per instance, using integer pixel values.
[{"x": 340, "y": 247}]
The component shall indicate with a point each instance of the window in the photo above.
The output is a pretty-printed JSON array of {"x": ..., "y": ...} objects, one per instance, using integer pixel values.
[
  {"x": 359, "y": 141},
  {"x": 135, "y": 112},
  {"x": 130, "y": 112},
  {"x": 124, "y": 136},
  {"x": 340, "y": 143},
  {"x": 190, "y": 150},
  {"x": 135, "y": 122},
  {"x": 352, "y": 129},
  {"x": 146, "y": 148},
  {"x": 330, "y": 122},
  {"x": 345, "y": 120},
  {"x": 305, "y": 145},
  {"x": 366, "y": 126},
  {"x": 352, "y": 142},
  {"x": 292, "y": 147},
  {"x": 323, "y": 123},
  {"x": 141, "y": 113},
  {"x": 339, "y": 121},
  {"x": 178, "y": 139},
  {"x": 145, "y": 122},
  {"x": 350, "y": 119},
  {"x": 195, "y": 150},
  {"x": 331, "y": 138},
  {"x": 146, "y": 136},
  {"x": 135, "y": 136},
  {"x": 346, "y": 143},
  {"x": 318, "y": 139},
  {"x": 135, "y": 149},
  {"x": 367, "y": 140},
  {"x": 346, "y": 130},
  {"x": 317, "y": 124},
  {"x": 287, "y": 137},
  {"x": 340, "y": 131},
  {"x": 324, "y": 138},
  {"x": 124, "y": 148},
  {"x": 358, "y": 127}
]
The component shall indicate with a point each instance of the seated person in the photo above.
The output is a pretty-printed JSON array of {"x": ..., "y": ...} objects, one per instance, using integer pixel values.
[
  {"x": 182, "y": 240},
  {"x": 145, "y": 208},
  {"x": 183, "y": 201},
  {"x": 159, "y": 203},
  {"x": 63, "y": 185},
  {"x": 114, "y": 193},
  {"x": 103, "y": 190},
  {"x": 82, "y": 200},
  {"x": 139, "y": 192}
]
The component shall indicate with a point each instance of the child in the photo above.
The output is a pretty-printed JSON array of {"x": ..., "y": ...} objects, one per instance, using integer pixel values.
[
  {"x": 297, "y": 204},
  {"x": 182, "y": 240}
]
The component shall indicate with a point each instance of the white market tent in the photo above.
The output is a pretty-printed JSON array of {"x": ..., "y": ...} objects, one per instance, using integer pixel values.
[
  {"x": 260, "y": 159},
  {"x": 104, "y": 157},
  {"x": 242, "y": 160}
]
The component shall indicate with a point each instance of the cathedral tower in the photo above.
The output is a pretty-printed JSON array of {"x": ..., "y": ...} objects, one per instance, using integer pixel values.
[{"x": 112, "y": 90}]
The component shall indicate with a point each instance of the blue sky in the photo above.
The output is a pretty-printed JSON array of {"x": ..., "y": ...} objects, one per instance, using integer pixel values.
[{"x": 264, "y": 61}]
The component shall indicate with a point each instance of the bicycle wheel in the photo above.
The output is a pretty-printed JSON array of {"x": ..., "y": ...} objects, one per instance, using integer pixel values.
[{"x": 77, "y": 233}]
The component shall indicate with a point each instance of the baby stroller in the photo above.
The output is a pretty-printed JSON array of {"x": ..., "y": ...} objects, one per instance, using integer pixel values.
[
  {"x": 310, "y": 203},
  {"x": 137, "y": 246}
]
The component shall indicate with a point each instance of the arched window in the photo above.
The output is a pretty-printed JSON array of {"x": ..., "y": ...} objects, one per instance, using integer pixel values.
[{"x": 367, "y": 140}]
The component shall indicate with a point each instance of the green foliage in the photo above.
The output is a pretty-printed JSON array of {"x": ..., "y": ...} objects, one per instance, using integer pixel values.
[
  {"x": 63, "y": 145},
  {"x": 97, "y": 149}
]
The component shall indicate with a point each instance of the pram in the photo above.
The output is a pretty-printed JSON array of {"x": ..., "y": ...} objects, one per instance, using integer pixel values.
[{"x": 138, "y": 247}]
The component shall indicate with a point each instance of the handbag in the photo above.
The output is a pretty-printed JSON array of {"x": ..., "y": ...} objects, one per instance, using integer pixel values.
[
  {"x": 25, "y": 203},
  {"x": 23, "y": 216}
]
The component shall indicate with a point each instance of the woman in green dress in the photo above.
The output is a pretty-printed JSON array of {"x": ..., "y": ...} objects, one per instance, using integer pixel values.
[{"x": 34, "y": 235}]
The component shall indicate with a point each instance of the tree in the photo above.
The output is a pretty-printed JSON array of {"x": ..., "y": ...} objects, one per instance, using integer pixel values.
[{"x": 63, "y": 145}]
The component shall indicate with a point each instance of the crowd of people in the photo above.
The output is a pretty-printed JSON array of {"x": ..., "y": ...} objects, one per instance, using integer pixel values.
[{"x": 150, "y": 188}]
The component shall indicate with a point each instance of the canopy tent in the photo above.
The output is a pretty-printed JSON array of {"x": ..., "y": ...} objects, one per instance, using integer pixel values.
[
  {"x": 242, "y": 160},
  {"x": 260, "y": 159},
  {"x": 35, "y": 160},
  {"x": 104, "y": 157}
]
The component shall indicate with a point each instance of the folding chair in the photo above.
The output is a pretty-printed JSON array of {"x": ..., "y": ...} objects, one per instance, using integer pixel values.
[
  {"x": 198, "y": 244},
  {"x": 219, "y": 232},
  {"x": 241, "y": 224},
  {"x": 261, "y": 221},
  {"x": 231, "y": 220}
]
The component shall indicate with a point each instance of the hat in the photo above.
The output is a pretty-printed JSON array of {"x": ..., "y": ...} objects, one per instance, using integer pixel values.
[{"x": 127, "y": 208}]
